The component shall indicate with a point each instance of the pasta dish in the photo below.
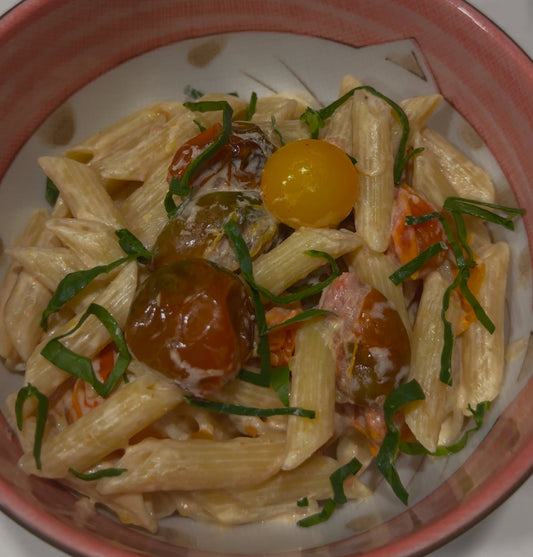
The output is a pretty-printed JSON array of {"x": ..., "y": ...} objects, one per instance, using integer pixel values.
[{"x": 235, "y": 307}]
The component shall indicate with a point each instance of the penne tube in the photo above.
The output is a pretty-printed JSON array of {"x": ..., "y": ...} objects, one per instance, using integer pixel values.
[
  {"x": 483, "y": 352},
  {"x": 372, "y": 148},
  {"x": 47, "y": 265},
  {"x": 418, "y": 110},
  {"x": 144, "y": 210},
  {"x": 288, "y": 263},
  {"x": 94, "y": 243},
  {"x": 312, "y": 387},
  {"x": 166, "y": 464},
  {"x": 106, "y": 428},
  {"x": 281, "y": 107},
  {"x": 466, "y": 178},
  {"x": 82, "y": 190},
  {"x": 90, "y": 338},
  {"x": 153, "y": 150},
  {"x": 29, "y": 237},
  {"x": 125, "y": 133},
  {"x": 425, "y": 417}
]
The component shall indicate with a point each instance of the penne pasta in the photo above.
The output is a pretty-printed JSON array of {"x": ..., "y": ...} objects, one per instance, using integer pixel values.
[
  {"x": 372, "y": 148},
  {"x": 312, "y": 387}
]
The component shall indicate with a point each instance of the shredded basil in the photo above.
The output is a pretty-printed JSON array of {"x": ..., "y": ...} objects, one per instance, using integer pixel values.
[
  {"x": 180, "y": 186},
  {"x": 303, "y": 502},
  {"x": 193, "y": 93},
  {"x": 235, "y": 409},
  {"x": 385, "y": 460},
  {"x": 81, "y": 366},
  {"x": 41, "y": 417},
  {"x": 339, "y": 497},
  {"x": 411, "y": 267},
  {"x": 464, "y": 259},
  {"x": 51, "y": 192},
  {"x": 250, "y": 111},
  {"x": 276, "y": 130},
  {"x": 316, "y": 119},
  {"x": 201, "y": 127},
  {"x": 263, "y": 378},
  {"x": 303, "y": 316},
  {"x": 73, "y": 283},
  {"x": 337, "y": 479},
  {"x": 280, "y": 382},
  {"x": 98, "y": 474},
  {"x": 323, "y": 516}
]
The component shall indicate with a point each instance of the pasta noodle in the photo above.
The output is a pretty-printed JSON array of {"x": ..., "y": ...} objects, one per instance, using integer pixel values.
[{"x": 189, "y": 347}]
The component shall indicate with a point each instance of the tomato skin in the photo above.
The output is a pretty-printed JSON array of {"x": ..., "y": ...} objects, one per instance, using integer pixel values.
[
  {"x": 409, "y": 241},
  {"x": 309, "y": 182},
  {"x": 369, "y": 341},
  {"x": 192, "y": 321},
  {"x": 239, "y": 162},
  {"x": 198, "y": 230}
]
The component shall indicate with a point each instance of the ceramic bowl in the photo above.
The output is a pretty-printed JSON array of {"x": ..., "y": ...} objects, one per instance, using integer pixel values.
[{"x": 71, "y": 67}]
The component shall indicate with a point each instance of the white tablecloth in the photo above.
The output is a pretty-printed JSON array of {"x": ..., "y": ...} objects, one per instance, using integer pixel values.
[{"x": 508, "y": 530}]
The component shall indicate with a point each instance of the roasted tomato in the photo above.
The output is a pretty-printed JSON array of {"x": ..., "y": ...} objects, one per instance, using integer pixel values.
[
  {"x": 198, "y": 230},
  {"x": 411, "y": 240},
  {"x": 238, "y": 164},
  {"x": 368, "y": 339},
  {"x": 194, "y": 322}
]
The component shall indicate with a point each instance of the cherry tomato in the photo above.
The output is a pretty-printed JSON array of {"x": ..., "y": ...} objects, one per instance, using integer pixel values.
[
  {"x": 309, "y": 182},
  {"x": 198, "y": 230},
  {"x": 239, "y": 162},
  {"x": 369, "y": 340},
  {"x": 192, "y": 321},
  {"x": 411, "y": 240}
]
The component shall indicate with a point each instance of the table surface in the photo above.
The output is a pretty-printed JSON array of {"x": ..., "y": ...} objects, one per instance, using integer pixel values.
[{"x": 506, "y": 531}]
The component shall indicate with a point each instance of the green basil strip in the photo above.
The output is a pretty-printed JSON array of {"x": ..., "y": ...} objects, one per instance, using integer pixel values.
[
  {"x": 280, "y": 382},
  {"x": 477, "y": 209},
  {"x": 51, "y": 192},
  {"x": 225, "y": 408},
  {"x": 193, "y": 93},
  {"x": 411, "y": 267},
  {"x": 447, "y": 349},
  {"x": 276, "y": 130},
  {"x": 132, "y": 246},
  {"x": 250, "y": 111},
  {"x": 103, "y": 473},
  {"x": 406, "y": 393},
  {"x": 304, "y": 316},
  {"x": 337, "y": 479},
  {"x": 385, "y": 464},
  {"x": 315, "y": 120},
  {"x": 41, "y": 417},
  {"x": 303, "y": 502},
  {"x": 323, "y": 516},
  {"x": 81, "y": 366},
  {"x": 73, "y": 283},
  {"x": 446, "y": 450},
  {"x": 180, "y": 186}
]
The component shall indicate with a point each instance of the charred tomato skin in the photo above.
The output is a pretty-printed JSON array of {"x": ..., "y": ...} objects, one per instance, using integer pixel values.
[{"x": 193, "y": 321}]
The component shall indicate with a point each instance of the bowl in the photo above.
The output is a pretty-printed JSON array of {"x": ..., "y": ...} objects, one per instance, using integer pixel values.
[{"x": 76, "y": 66}]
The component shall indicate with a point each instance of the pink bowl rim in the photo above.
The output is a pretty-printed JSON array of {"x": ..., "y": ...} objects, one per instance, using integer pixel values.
[{"x": 431, "y": 536}]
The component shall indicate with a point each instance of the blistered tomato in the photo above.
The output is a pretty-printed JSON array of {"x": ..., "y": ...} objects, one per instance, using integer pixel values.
[
  {"x": 192, "y": 321},
  {"x": 369, "y": 341},
  {"x": 309, "y": 182}
]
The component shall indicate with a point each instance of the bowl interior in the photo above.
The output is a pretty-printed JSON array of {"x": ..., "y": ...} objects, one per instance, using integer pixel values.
[{"x": 226, "y": 48}]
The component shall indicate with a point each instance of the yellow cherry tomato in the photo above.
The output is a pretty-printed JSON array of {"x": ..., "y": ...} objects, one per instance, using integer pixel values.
[{"x": 309, "y": 182}]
